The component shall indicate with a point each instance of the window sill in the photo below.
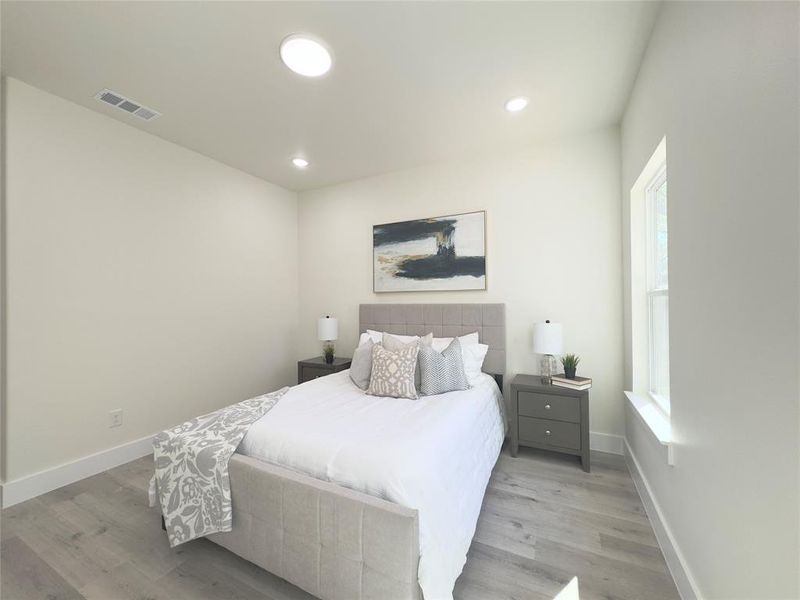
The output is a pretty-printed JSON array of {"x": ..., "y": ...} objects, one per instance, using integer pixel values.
[{"x": 654, "y": 420}]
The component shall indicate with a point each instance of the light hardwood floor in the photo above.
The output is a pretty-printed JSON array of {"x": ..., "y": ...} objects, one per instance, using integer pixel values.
[{"x": 543, "y": 522}]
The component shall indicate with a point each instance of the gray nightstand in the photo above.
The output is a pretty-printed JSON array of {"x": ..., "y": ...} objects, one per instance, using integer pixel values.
[
  {"x": 549, "y": 417},
  {"x": 317, "y": 367}
]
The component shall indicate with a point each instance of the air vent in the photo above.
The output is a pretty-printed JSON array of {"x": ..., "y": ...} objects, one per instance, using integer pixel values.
[
  {"x": 112, "y": 99},
  {"x": 146, "y": 113},
  {"x": 129, "y": 106}
]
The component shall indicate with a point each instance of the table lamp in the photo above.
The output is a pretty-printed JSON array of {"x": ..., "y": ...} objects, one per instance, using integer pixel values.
[
  {"x": 548, "y": 340},
  {"x": 327, "y": 332}
]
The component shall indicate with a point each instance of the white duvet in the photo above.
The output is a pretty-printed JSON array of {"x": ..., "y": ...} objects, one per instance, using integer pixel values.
[{"x": 434, "y": 454}]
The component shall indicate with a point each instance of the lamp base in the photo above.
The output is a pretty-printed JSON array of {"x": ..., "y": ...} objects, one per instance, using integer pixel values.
[
  {"x": 327, "y": 353},
  {"x": 546, "y": 369}
]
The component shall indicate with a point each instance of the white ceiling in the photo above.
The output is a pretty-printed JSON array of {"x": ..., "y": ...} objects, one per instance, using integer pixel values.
[{"x": 411, "y": 82}]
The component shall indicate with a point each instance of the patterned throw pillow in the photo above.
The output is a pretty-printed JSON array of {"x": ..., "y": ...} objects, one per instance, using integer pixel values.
[
  {"x": 393, "y": 372},
  {"x": 442, "y": 372},
  {"x": 394, "y": 344}
]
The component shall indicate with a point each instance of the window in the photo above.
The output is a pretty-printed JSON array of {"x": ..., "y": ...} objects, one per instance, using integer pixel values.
[
  {"x": 657, "y": 276},
  {"x": 649, "y": 301}
]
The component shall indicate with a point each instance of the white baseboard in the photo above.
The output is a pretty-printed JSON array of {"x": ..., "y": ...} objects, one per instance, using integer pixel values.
[
  {"x": 606, "y": 442},
  {"x": 687, "y": 587},
  {"x": 25, "y": 488}
]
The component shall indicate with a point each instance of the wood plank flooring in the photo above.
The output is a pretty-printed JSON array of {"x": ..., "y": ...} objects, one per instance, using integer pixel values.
[{"x": 543, "y": 522}]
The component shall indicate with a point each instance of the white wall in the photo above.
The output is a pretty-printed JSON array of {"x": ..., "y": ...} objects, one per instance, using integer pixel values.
[
  {"x": 720, "y": 80},
  {"x": 141, "y": 276},
  {"x": 553, "y": 250}
]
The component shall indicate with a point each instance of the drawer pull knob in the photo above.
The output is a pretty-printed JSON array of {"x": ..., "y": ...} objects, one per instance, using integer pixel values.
[
  {"x": 547, "y": 407},
  {"x": 547, "y": 432}
]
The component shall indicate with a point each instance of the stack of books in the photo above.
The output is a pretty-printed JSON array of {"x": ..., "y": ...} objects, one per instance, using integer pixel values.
[{"x": 579, "y": 383}]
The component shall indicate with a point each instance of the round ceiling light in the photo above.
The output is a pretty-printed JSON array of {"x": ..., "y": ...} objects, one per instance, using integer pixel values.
[
  {"x": 300, "y": 163},
  {"x": 305, "y": 56},
  {"x": 516, "y": 104}
]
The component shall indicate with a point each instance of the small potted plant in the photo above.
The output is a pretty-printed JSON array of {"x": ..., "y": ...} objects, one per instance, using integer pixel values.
[{"x": 570, "y": 363}]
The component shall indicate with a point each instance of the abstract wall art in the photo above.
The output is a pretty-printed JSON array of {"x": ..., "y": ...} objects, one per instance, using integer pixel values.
[{"x": 436, "y": 254}]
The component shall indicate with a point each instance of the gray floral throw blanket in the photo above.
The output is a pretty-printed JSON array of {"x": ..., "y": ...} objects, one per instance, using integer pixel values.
[{"x": 191, "y": 480}]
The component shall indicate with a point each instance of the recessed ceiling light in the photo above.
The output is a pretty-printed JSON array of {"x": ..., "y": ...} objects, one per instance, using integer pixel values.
[
  {"x": 305, "y": 56},
  {"x": 516, "y": 104},
  {"x": 300, "y": 163}
]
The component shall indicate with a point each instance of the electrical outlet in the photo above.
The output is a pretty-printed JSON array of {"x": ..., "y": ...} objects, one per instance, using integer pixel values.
[{"x": 115, "y": 418}]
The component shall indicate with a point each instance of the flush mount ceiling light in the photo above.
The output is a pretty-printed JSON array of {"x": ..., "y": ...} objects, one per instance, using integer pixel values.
[
  {"x": 516, "y": 104},
  {"x": 300, "y": 163},
  {"x": 305, "y": 55}
]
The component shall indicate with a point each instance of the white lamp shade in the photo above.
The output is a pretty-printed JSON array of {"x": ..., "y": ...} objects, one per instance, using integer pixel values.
[
  {"x": 327, "y": 329},
  {"x": 548, "y": 338}
]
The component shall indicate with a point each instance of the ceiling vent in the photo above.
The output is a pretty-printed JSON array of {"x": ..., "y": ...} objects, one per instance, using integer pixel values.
[{"x": 129, "y": 106}]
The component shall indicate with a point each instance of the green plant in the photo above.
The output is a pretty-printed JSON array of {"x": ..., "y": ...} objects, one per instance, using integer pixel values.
[
  {"x": 570, "y": 362},
  {"x": 327, "y": 350}
]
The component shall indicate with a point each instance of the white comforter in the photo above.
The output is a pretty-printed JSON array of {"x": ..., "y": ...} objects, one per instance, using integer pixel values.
[{"x": 434, "y": 454}]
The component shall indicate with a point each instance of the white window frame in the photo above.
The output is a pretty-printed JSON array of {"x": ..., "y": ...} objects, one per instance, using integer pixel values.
[
  {"x": 652, "y": 291},
  {"x": 655, "y": 415}
]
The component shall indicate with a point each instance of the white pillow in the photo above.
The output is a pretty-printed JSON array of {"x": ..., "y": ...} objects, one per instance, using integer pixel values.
[
  {"x": 377, "y": 336},
  {"x": 439, "y": 344},
  {"x": 473, "y": 357},
  {"x": 364, "y": 337}
]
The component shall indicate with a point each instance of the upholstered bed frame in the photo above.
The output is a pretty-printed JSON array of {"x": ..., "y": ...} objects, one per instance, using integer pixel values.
[
  {"x": 444, "y": 320},
  {"x": 333, "y": 542}
]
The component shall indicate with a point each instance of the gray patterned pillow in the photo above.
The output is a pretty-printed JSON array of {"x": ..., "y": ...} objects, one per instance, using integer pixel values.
[
  {"x": 442, "y": 372},
  {"x": 392, "y": 343},
  {"x": 393, "y": 372}
]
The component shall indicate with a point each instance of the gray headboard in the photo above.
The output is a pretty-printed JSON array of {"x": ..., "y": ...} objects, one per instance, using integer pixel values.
[{"x": 444, "y": 320}]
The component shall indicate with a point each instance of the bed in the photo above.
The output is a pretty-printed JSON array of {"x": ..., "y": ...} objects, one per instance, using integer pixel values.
[{"x": 353, "y": 496}]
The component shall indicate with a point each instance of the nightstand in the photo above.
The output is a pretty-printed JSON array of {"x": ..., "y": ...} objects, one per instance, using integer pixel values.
[
  {"x": 317, "y": 367},
  {"x": 549, "y": 417}
]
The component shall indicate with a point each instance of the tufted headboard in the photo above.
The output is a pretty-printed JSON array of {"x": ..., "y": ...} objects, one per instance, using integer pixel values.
[{"x": 444, "y": 320}]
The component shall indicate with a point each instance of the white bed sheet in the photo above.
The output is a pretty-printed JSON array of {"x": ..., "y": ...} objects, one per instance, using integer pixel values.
[{"x": 434, "y": 454}]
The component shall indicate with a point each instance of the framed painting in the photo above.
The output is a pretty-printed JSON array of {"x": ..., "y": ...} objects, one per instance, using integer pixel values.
[{"x": 436, "y": 254}]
